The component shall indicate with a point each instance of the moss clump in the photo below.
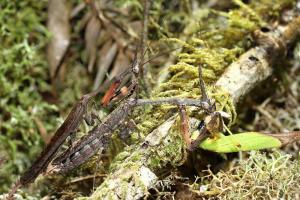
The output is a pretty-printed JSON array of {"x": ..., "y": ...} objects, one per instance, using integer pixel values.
[
  {"x": 272, "y": 176},
  {"x": 23, "y": 75},
  {"x": 218, "y": 41}
]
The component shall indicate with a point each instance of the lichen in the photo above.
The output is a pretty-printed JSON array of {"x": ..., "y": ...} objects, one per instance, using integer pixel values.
[
  {"x": 261, "y": 176},
  {"x": 171, "y": 150}
]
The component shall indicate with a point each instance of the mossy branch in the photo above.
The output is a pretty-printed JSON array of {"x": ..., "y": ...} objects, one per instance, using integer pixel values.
[{"x": 133, "y": 172}]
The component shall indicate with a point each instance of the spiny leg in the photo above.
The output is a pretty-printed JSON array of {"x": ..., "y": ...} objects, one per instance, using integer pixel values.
[
  {"x": 210, "y": 126},
  {"x": 71, "y": 139},
  {"x": 203, "y": 134},
  {"x": 184, "y": 125},
  {"x": 203, "y": 131},
  {"x": 181, "y": 103},
  {"x": 91, "y": 117},
  {"x": 204, "y": 103},
  {"x": 206, "y": 125},
  {"x": 95, "y": 112}
]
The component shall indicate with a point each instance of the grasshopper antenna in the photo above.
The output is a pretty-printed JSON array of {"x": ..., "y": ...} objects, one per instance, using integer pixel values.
[
  {"x": 144, "y": 35},
  {"x": 137, "y": 69},
  {"x": 159, "y": 55},
  {"x": 204, "y": 96}
]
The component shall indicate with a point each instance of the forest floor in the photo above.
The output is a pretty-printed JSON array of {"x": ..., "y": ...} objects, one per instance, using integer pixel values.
[{"x": 52, "y": 52}]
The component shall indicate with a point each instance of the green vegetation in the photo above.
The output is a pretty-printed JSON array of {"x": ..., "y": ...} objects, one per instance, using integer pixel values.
[
  {"x": 23, "y": 78},
  {"x": 210, "y": 38}
]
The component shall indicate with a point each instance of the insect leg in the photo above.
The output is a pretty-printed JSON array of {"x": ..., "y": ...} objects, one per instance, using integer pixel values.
[
  {"x": 130, "y": 125},
  {"x": 184, "y": 125}
]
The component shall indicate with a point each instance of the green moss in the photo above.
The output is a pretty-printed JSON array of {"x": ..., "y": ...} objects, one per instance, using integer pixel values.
[{"x": 23, "y": 75}]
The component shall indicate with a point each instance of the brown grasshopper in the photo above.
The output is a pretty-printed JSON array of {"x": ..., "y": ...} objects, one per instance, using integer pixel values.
[
  {"x": 69, "y": 127},
  {"x": 99, "y": 136}
]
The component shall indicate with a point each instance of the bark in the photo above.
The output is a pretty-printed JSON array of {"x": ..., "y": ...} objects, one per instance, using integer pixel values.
[{"x": 133, "y": 172}]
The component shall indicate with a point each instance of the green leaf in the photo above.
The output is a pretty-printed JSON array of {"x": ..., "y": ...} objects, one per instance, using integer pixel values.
[{"x": 240, "y": 142}]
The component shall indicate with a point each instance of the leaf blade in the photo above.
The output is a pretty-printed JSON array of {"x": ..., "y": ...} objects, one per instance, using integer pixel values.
[{"x": 241, "y": 142}]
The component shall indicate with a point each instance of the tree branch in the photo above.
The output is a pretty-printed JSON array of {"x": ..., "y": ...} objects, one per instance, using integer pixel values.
[{"x": 133, "y": 171}]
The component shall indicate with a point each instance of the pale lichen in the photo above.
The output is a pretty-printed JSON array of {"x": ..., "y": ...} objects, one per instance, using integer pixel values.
[{"x": 261, "y": 176}]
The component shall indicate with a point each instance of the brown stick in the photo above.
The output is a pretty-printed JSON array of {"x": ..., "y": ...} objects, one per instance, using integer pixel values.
[
  {"x": 176, "y": 101},
  {"x": 286, "y": 138}
]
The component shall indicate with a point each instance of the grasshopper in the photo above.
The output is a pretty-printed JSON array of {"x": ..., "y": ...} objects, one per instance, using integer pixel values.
[{"x": 98, "y": 137}]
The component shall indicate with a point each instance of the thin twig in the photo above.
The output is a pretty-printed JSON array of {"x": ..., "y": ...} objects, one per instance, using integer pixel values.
[
  {"x": 270, "y": 118},
  {"x": 80, "y": 179},
  {"x": 175, "y": 101},
  {"x": 144, "y": 36}
]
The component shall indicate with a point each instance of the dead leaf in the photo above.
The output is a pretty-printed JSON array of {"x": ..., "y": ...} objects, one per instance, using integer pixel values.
[
  {"x": 58, "y": 24},
  {"x": 91, "y": 35},
  {"x": 106, "y": 57},
  {"x": 122, "y": 63},
  {"x": 75, "y": 11},
  {"x": 84, "y": 20}
]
